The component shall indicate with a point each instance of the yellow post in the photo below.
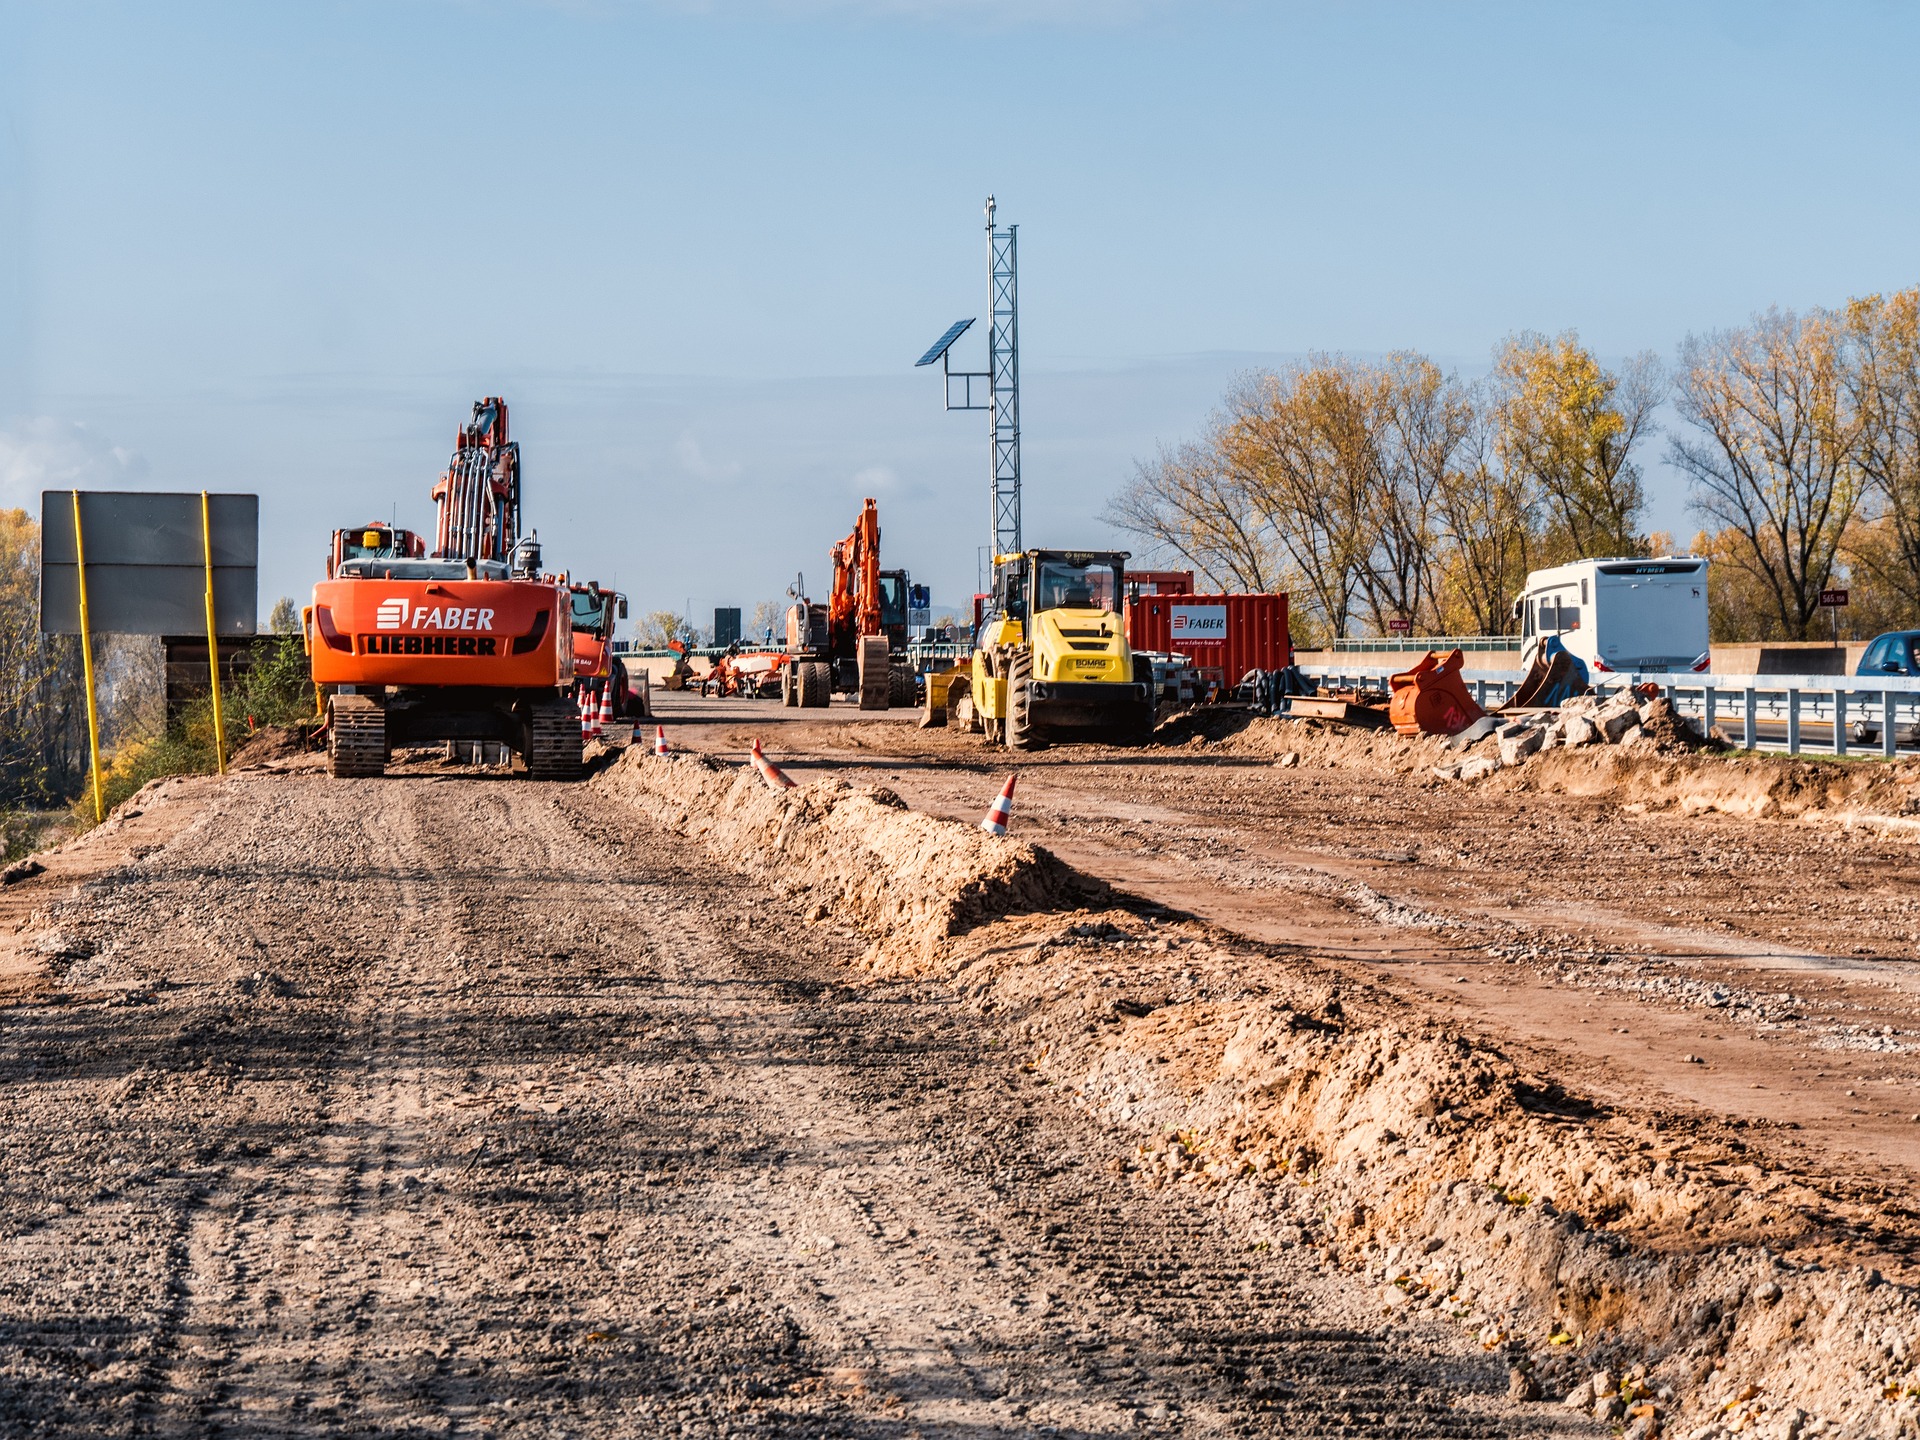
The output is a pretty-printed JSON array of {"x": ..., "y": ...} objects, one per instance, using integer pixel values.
[
  {"x": 86, "y": 664},
  {"x": 213, "y": 639}
]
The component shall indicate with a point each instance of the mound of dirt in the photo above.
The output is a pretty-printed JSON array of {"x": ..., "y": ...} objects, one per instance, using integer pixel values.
[
  {"x": 1691, "y": 775},
  {"x": 908, "y": 881},
  {"x": 1323, "y": 1112},
  {"x": 1206, "y": 723},
  {"x": 269, "y": 743}
]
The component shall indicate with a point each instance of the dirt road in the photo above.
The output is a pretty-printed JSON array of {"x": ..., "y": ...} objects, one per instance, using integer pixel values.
[
  {"x": 1761, "y": 971},
  {"x": 446, "y": 1105}
]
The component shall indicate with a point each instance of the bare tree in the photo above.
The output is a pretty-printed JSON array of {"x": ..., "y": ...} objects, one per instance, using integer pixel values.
[
  {"x": 1882, "y": 375},
  {"x": 1423, "y": 417},
  {"x": 43, "y": 741},
  {"x": 1488, "y": 526},
  {"x": 1185, "y": 506},
  {"x": 1775, "y": 456}
]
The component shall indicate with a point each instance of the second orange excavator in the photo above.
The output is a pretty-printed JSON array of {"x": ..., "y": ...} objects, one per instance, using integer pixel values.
[{"x": 857, "y": 642}]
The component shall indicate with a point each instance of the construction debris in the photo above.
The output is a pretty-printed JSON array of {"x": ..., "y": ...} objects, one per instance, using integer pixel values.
[{"x": 1650, "y": 726}]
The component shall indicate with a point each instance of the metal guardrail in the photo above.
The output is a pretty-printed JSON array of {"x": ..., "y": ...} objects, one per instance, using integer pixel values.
[
  {"x": 1739, "y": 703},
  {"x": 1382, "y": 644}
]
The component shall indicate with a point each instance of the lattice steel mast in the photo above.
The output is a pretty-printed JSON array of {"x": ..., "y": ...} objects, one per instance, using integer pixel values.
[
  {"x": 1001, "y": 377},
  {"x": 1003, "y": 364}
]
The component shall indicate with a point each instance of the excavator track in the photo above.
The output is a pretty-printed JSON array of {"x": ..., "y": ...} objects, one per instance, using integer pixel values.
[
  {"x": 553, "y": 742},
  {"x": 356, "y": 737}
]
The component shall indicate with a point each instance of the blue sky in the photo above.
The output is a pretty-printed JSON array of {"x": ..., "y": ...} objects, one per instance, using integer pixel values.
[{"x": 698, "y": 246}]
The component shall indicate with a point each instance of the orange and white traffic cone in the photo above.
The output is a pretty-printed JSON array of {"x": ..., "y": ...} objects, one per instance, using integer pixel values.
[
  {"x": 660, "y": 741},
  {"x": 776, "y": 778},
  {"x": 1000, "y": 813},
  {"x": 586, "y": 717},
  {"x": 605, "y": 717}
]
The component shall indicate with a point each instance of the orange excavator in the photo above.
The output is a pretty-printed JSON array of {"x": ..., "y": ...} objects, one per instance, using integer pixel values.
[
  {"x": 857, "y": 641},
  {"x": 470, "y": 642}
]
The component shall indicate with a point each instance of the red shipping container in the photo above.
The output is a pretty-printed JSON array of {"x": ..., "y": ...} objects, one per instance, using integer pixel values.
[
  {"x": 1159, "y": 582},
  {"x": 1227, "y": 635}
]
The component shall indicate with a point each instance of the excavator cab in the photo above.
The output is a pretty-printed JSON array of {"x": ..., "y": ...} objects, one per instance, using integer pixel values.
[
  {"x": 373, "y": 542},
  {"x": 893, "y": 608}
]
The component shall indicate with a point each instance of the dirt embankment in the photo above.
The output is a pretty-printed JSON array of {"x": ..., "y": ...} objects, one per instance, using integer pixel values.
[
  {"x": 1623, "y": 1259},
  {"x": 1733, "y": 782}
]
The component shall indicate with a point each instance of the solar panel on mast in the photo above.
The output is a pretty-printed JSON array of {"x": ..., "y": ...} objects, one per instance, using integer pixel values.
[
  {"x": 944, "y": 343},
  {"x": 1000, "y": 380}
]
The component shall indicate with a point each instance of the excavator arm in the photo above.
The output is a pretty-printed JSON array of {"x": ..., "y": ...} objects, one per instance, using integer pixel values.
[{"x": 479, "y": 495}]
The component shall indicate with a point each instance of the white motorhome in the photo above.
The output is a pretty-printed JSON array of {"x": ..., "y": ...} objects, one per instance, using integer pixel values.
[{"x": 1620, "y": 614}]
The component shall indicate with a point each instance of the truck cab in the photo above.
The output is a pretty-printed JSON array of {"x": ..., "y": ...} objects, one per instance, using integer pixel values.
[{"x": 595, "y": 612}]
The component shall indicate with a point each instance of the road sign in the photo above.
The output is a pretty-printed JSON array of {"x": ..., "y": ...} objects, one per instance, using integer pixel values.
[
  {"x": 1399, "y": 625},
  {"x": 1833, "y": 599},
  {"x": 147, "y": 562}
]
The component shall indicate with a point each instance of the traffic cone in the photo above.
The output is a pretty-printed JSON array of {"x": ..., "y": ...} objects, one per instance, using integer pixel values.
[
  {"x": 586, "y": 717},
  {"x": 776, "y": 778},
  {"x": 1000, "y": 813},
  {"x": 605, "y": 717},
  {"x": 660, "y": 741}
]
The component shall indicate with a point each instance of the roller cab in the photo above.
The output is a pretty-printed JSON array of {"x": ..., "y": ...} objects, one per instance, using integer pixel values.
[{"x": 1052, "y": 658}]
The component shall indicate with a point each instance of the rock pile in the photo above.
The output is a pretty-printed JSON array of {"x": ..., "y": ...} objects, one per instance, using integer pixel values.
[{"x": 1650, "y": 727}]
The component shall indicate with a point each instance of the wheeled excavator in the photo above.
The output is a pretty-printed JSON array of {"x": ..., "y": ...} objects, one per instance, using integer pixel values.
[
  {"x": 468, "y": 642},
  {"x": 1051, "y": 659},
  {"x": 857, "y": 641}
]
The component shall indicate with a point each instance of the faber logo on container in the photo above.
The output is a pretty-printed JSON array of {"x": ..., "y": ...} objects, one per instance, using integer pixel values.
[
  {"x": 392, "y": 614},
  {"x": 1199, "y": 622}
]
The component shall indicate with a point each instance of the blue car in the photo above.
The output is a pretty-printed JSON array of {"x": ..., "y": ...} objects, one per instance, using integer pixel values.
[{"x": 1895, "y": 653}]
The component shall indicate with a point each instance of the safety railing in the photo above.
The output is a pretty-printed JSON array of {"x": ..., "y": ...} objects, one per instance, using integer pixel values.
[
  {"x": 1846, "y": 714},
  {"x": 1384, "y": 644}
]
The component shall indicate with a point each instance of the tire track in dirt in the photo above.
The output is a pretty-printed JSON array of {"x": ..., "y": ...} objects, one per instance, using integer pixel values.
[{"x": 472, "y": 1107}]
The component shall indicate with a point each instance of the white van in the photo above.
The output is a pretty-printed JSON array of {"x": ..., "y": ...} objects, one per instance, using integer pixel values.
[{"x": 1620, "y": 614}]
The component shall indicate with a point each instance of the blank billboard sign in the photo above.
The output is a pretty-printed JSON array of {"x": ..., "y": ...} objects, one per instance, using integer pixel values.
[{"x": 146, "y": 569}]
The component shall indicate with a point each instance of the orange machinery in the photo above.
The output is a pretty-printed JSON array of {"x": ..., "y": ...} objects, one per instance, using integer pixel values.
[
  {"x": 857, "y": 641},
  {"x": 468, "y": 643},
  {"x": 595, "y": 612}
]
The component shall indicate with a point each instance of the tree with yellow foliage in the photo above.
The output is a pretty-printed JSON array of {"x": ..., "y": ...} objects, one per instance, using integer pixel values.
[
  {"x": 1773, "y": 451},
  {"x": 1567, "y": 429}
]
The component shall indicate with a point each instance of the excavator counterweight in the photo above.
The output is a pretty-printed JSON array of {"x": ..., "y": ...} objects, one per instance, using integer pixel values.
[{"x": 470, "y": 643}]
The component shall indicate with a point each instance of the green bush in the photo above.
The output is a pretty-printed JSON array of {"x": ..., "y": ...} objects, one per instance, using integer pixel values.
[{"x": 278, "y": 690}]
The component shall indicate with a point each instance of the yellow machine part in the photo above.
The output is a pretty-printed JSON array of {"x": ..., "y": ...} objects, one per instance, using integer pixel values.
[{"x": 1081, "y": 645}]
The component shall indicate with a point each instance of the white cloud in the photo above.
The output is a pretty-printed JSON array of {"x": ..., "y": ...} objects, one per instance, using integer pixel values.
[
  {"x": 876, "y": 480},
  {"x": 45, "y": 453},
  {"x": 694, "y": 462}
]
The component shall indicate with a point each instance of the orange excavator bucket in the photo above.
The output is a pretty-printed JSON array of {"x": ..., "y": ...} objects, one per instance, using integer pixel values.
[{"x": 1432, "y": 699}]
